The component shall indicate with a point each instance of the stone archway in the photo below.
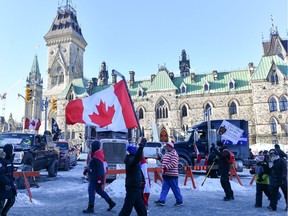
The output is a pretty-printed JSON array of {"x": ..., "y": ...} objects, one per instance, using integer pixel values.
[{"x": 163, "y": 136}]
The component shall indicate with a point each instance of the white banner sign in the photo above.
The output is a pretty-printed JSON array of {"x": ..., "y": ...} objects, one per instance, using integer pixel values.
[{"x": 230, "y": 132}]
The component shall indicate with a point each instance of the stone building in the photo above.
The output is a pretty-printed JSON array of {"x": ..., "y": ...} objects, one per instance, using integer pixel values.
[{"x": 173, "y": 101}]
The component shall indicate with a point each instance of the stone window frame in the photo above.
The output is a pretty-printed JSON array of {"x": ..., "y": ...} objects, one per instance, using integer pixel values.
[
  {"x": 235, "y": 110},
  {"x": 206, "y": 105},
  {"x": 184, "y": 110},
  {"x": 273, "y": 104},
  {"x": 283, "y": 103},
  {"x": 141, "y": 112},
  {"x": 183, "y": 88},
  {"x": 273, "y": 125},
  {"x": 162, "y": 109}
]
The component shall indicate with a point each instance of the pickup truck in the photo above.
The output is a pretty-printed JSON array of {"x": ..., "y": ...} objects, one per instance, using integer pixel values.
[
  {"x": 32, "y": 152},
  {"x": 199, "y": 135}
]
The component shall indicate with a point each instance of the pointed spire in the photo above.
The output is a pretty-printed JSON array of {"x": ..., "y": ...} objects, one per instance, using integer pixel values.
[{"x": 35, "y": 67}]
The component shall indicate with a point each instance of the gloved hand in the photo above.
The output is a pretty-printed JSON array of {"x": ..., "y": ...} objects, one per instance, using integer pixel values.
[
  {"x": 259, "y": 180},
  {"x": 99, "y": 180},
  {"x": 85, "y": 171},
  {"x": 142, "y": 142},
  {"x": 213, "y": 145},
  {"x": 8, "y": 187},
  {"x": 164, "y": 170},
  {"x": 252, "y": 171}
]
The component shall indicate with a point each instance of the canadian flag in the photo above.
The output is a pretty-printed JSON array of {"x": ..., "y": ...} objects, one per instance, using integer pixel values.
[
  {"x": 110, "y": 109},
  {"x": 197, "y": 153},
  {"x": 32, "y": 124}
]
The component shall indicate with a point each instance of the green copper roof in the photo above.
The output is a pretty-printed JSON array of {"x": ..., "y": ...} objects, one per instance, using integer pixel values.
[
  {"x": 265, "y": 65},
  {"x": 162, "y": 81},
  {"x": 78, "y": 86},
  {"x": 35, "y": 67}
]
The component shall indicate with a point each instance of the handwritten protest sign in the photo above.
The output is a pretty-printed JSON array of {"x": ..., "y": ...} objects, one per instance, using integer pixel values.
[{"x": 230, "y": 132}]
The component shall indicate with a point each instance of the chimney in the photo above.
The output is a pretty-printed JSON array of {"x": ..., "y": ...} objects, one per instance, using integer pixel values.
[
  {"x": 171, "y": 75},
  {"x": 114, "y": 78},
  {"x": 215, "y": 75},
  {"x": 192, "y": 77},
  {"x": 153, "y": 77}
]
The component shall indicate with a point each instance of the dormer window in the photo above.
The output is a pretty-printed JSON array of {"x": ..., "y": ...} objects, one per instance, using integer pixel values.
[
  {"x": 274, "y": 79},
  {"x": 231, "y": 84},
  {"x": 183, "y": 88},
  {"x": 140, "y": 91},
  {"x": 206, "y": 86}
]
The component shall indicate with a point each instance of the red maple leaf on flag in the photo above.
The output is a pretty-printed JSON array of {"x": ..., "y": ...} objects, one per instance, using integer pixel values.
[{"x": 104, "y": 117}]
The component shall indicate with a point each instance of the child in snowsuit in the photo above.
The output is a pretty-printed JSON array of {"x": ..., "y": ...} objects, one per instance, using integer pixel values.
[
  {"x": 262, "y": 180},
  {"x": 96, "y": 178}
]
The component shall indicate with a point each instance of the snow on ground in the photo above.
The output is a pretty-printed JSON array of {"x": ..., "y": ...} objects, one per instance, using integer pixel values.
[{"x": 67, "y": 195}]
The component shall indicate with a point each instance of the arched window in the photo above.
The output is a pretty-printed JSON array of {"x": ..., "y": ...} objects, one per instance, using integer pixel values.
[
  {"x": 272, "y": 104},
  {"x": 283, "y": 103},
  {"x": 207, "y": 109},
  {"x": 273, "y": 126},
  {"x": 141, "y": 114},
  {"x": 183, "y": 89},
  {"x": 206, "y": 87},
  {"x": 161, "y": 110},
  {"x": 231, "y": 85},
  {"x": 286, "y": 126},
  {"x": 232, "y": 108},
  {"x": 184, "y": 111},
  {"x": 274, "y": 79}
]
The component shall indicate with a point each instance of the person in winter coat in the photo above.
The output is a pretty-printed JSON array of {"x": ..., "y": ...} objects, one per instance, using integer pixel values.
[
  {"x": 281, "y": 153},
  {"x": 170, "y": 174},
  {"x": 262, "y": 180},
  {"x": 7, "y": 187},
  {"x": 96, "y": 171},
  {"x": 134, "y": 181},
  {"x": 224, "y": 169},
  {"x": 277, "y": 178}
]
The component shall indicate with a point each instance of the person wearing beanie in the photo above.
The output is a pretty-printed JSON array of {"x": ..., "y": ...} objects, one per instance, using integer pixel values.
[
  {"x": 96, "y": 170},
  {"x": 134, "y": 181},
  {"x": 224, "y": 169},
  {"x": 170, "y": 174},
  {"x": 262, "y": 179},
  {"x": 277, "y": 178},
  {"x": 7, "y": 188}
]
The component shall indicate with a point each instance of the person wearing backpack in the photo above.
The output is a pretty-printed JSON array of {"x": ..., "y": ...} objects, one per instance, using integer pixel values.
[{"x": 223, "y": 154}]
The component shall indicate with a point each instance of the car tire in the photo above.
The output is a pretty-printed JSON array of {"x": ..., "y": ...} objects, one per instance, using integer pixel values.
[
  {"x": 20, "y": 182},
  {"x": 67, "y": 164},
  {"x": 53, "y": 169},
  {"x": 181, "y": 164}
]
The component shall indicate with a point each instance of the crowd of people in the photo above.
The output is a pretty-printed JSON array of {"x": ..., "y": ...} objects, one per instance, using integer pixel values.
[{"x": 270, "y": 175}]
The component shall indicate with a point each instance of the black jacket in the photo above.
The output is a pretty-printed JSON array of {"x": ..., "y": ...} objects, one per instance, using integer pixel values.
[
  {"x": 278, "y": 172},
  {"x": 224, "y": 156},
  {"x": 134, "y": 175},
  {"x": 7, "y": 187}
]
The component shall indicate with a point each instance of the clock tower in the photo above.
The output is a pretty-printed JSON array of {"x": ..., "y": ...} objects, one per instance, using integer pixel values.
[{"x": 66, "y": 46}]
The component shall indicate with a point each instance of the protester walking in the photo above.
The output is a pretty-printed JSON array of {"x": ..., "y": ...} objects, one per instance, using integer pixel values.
[
  {"x": 212, "y": 161},
  {"x": 224, "y": 169},
  {"x": 7, "y": 188},
  {"x": 170, "y": 174},
  {"x": 262, "y": 179},
  {"x": 134, "y": 181},
  {"x": 278, "y": 178},
  {"x": 96, "y": 170}
]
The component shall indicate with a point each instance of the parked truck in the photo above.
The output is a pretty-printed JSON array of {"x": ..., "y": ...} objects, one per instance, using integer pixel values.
[
  {"x": 32, "y": 152},
  {"x": 199, "y": 134},
  {"x": 113, "y": 143}
]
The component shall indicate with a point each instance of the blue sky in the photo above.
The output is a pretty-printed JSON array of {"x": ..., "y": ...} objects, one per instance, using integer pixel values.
[{"x": 138, "y": 35}]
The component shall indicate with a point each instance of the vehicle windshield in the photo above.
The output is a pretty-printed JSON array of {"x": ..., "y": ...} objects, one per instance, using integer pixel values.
[
  {"x": 16, "y": 139},
  {"x": 62, "y": 145}
]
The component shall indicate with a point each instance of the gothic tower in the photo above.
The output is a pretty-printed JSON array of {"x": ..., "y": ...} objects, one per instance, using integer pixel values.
[
  {"x": 66, "y": 46},
  {"x": 103, "y": 74},
  {"x": 35, "y": 83},
  {"x": 184, "y": 64}
]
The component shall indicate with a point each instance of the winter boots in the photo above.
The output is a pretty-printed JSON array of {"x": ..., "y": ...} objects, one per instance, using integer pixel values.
[
  {"x": 90, "y": 209},
  {"x": 111, "y": 204}
]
